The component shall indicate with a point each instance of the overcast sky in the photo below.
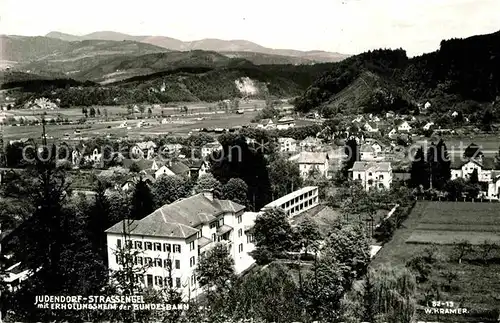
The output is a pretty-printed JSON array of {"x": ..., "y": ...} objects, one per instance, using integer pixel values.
[{"x": 349, "y": 26}]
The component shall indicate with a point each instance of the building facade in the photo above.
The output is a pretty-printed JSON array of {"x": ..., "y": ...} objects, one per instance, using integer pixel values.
[
  {"x": 296, "y": 202},
  {"x": 287, "y": 144},
  {"x": 170, "y": 241},
  {"x": 372, "y": 175}
]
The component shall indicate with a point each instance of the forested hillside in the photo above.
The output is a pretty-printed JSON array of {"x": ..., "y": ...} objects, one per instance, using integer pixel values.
[{"x": 462, "y": 69}]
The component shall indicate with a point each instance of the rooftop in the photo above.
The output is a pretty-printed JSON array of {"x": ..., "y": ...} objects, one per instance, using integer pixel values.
[
  {"x": 284, "y": 199},
  {"x": 307, "y": 157},
  {"x": 363, "y": 166},
  {"x": 179, "y": 219}
]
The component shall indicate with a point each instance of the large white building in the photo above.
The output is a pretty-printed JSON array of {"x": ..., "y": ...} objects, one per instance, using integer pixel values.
[
  {"x": 296, "y": 202},
  {"x": 175, "y": 235},
  {"x": 372, "y": 175}
]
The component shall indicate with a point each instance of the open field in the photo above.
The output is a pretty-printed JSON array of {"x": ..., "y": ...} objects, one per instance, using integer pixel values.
[
  {"x": 477, "y": 286},
  {"x": 448, "y": 222},
  {"x": 489, "y": 144},
  {"x": 180, "y": 123}
]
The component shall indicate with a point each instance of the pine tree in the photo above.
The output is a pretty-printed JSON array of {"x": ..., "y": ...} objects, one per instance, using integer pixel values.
[
  {"x": 142, "y": 200},
  {"x": 419, "y": 173}
]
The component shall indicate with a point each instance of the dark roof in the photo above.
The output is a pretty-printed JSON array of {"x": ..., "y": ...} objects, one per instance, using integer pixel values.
[
  {"x": 143, "y": 164},
  {"x": 203, "y": 241},
  {"x": 371, "y": 166},
  {"x": 484, "y": 163},
  {"x": 165, "y": 229},
  {"x": 472, "y": 150},
  {"x": 189, "y": 212},
  {"x": 178, "y": 168},
  {"x": 224, "y": 229}
]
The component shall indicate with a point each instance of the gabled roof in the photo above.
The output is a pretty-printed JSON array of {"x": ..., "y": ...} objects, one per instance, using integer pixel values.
[
  {"x": 265, "y": 121},
  {"x": 487, "y": 163},
  {"x": 366, "y": 148},
  {"x": 284, "y": 139},
  {"x": 306, "y": 157},
  {"x": 142, "y": 163},
  {"x": 178, "y": 168},
  {"x": 363, "y": 166}
]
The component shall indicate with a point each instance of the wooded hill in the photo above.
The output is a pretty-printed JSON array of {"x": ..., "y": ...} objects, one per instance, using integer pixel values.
[{"x": 462, "y": 69}]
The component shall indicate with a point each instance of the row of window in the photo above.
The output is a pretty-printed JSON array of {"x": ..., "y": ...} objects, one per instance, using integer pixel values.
[
  {"x": 156, "y": 246},
  {"x": 297, "y": 199},
  {"x": 300, "y": 207},
  {"x": 156, "y": 262},
  {"x": 159, "y": 281}
]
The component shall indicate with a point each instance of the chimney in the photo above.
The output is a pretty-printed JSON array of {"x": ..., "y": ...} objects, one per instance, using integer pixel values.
[{"x": 208, "y": 194}]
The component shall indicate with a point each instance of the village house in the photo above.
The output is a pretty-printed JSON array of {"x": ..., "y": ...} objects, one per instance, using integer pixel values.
[
  {"x": 266, "y": 124},
  {"x": 171, "y": 149},
  {"x": 393, "y": 134},
  {"x": 148, "y": 165},
  {"x": 310, "y": 144},
  {"x": 403, "y": 126},
  {"x": 428, "y": 125},
  {"x": 285, "y": 123},
  {"x": 372, "y": 175},
  {"x": 173, "y": 168},
  {"x": 287, "y": 144},
  {"x": 310, "y": 162},
  {"x": 210, "y": 148},
  {"x": 177, "y": 234},
  {"x": 367, "y": 152},
  {"x": 371, "y": 127},
  {"x": 197, "y": 167}
]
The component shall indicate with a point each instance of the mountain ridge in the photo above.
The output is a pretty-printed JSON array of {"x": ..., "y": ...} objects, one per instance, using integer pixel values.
[{"x": 210, "y": 44}]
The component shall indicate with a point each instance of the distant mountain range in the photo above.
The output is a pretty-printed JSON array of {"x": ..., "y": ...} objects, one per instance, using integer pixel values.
[{"x": 216, "y": 45}]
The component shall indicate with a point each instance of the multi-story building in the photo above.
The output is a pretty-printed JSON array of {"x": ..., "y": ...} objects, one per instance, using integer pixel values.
[
  {"x": 171, "y": 239},
  {"x": 310, "y": 162},
  {"x": 287, "y": 144},
  {"x": 372, "y": 175},
  {"x": 296, "y": 202}
]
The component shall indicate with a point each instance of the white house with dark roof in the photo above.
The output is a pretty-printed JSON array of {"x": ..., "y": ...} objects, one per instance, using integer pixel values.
[
  {"x": 175, "y": 235},
  {"x": 371, "y": 127},
  {"x": 403, "y": 126},
  {"x": 310, "y": 144},
  {"x": 372, "y": 175},
  {"x": 312, "y": 161}
]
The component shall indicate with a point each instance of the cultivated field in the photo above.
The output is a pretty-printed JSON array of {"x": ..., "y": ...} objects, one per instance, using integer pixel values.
[
  {"x": 447, "y": 222},
  {"x": 180, "y": 123},
  {"x": 477, "y": 285}
]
